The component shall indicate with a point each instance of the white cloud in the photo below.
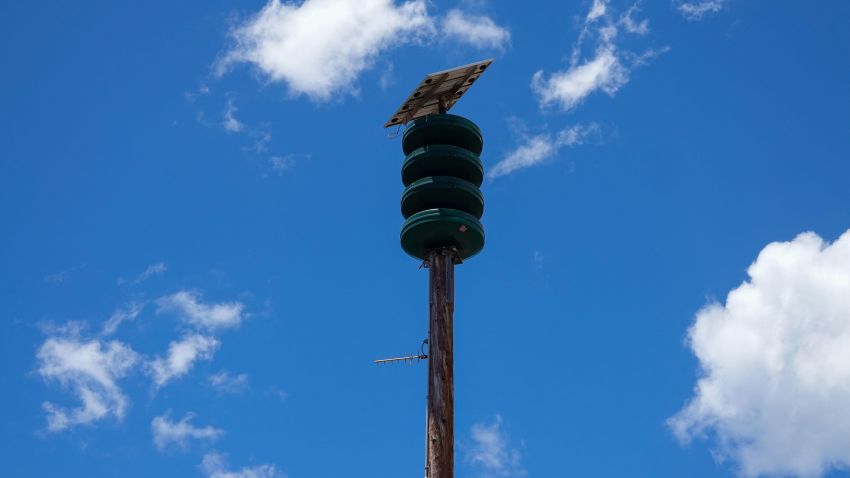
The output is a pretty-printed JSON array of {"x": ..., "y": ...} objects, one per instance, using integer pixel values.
[
  {"x": 202, "y": 90},
  {"x": 205, "y": 316},
  {"x": 56, "y": 278},
  {"x": 568, "y": 88},
  {"x": 479, "y": 31},
  {"x": 597, "y": 9},
  {"x": 698, "y": 10},
  {"x": 538, "y": 259},
  {"x": 227, "y": 383},
  {"x": 230, "y": 123},
  {"x": 120, "y": 316},
  {"x": 262, "y": 137},
  {"x": 491, "y": 452},
  {"x": 281, "y": 164},
  {"x": 537, "y": 149},
  {"x": 633, "y": 26},
  {"x": 775, "y": 364},
  {"x": 167, "y": 433},
  {"x": 152, "y": 270},
  {"x": 607, "y": 70},
  {"x": 214, "y": 466},
  {"x": 387, "y": 78},
  {"x": 182, "y": 356},
  {"x": 320, "y": 47},
  {"x": 61, "y": 276},
  {"x": 91, "y": 369}
]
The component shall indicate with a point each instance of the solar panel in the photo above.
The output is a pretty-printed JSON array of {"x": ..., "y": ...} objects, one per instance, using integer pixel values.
[{"x": 438, "y": 92}]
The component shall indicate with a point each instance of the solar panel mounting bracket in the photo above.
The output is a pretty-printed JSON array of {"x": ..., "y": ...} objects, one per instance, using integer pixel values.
[{"x": 438, "y": 92}]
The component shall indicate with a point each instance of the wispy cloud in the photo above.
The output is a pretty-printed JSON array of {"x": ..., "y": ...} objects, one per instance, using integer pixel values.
[
  {"x": 182, "y": 355},
  {"x": 597, "y": 9},
  {"x": 775, "y": 364},
  {"x": 278, "y": 393},
  {"x": 607, "y": 70},
  {"x": 214, "y": 465},
  {"x": 201, "y": 91},
  {"x": 538, "y": 258},
  {"x": 90, "y": 369},
  {"x": 56, "y": 277},
  {"x": 151, "y": 271},
  {"x": 229, "y": 121},
  {"x": 387, "y": 78},
  {"x": 211, "y": 317},
  {"x": 224, "y": 382},
  {"x": 320, "y": 47},
  {"x": 168, "y": 433},
  {"x": 698, "y": 10},
  {"x": 130, "y": 312},
  {"x": 261, "y": 137},
  {"x": 477, "y": 30},
  {"x": 61, "y": 276},
  {"x": 638, "y": 27},
  {"x": 536, "y": 149},
  {"x": 492, "y": 453},
  {"x": 281, "y": 164}
]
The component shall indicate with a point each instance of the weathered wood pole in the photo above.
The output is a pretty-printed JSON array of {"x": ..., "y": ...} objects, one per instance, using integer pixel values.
[{"x": 440, "y": 437}]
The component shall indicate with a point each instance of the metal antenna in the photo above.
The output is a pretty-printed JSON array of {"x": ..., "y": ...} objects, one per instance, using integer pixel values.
[{"x": 407, "y": 359}]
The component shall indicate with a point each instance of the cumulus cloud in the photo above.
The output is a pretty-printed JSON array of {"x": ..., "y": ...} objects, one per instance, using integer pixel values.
[
  {"x": 607, "y": 70},
  {"x": 320, "y": 47},
  {"x": 205, "y": 316},
  {"x": 91, "y": 369},
  {"x": 536, "y": 149},
  {"x": 477, "y": 30},
  {"x": 182, "y": 356},
  {"x": 568, "y": 88},
  {"x": 491, "y": 452},
  {"x": 775, "y": 364},
  {"x": 120, "y": 316},
  {"x": 167, "y": 433},
  {"x": 224, "y": 382},
  {"x": 214, "y": 466},
  {"x": 698, "y": 10}
]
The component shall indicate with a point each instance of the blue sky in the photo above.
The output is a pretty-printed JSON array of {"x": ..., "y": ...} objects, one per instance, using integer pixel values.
[{"x": 201, "y": 259}]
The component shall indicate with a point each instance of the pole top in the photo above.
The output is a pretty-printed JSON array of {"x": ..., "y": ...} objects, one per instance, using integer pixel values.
[{"x": 438, "y": 92}]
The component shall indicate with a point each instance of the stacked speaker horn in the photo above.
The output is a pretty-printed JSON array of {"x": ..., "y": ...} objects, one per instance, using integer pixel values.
[{"x": 442, "y": 173}]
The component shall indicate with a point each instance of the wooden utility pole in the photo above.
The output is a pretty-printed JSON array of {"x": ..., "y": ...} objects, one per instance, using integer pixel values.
[
  {"x": 442, "y": 206},
  {"x": 440, "y": 434}
]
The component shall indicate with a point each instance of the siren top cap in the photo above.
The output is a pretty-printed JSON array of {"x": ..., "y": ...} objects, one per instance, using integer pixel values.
[{"x": 442, "y": 129}]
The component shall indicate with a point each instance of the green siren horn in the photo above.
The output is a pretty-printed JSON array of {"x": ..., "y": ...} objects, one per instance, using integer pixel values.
[{"x": 442, "y": 170}]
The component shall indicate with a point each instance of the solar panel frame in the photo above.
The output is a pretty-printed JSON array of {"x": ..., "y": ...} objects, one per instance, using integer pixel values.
[{"x": 440, "y": 90}]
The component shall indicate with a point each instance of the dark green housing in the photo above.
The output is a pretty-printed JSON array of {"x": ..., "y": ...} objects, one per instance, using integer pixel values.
[{"x": 442, "y": 172}]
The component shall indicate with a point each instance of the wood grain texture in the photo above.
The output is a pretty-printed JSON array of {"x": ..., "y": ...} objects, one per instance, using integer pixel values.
[{"x": 440, "y": 438}]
